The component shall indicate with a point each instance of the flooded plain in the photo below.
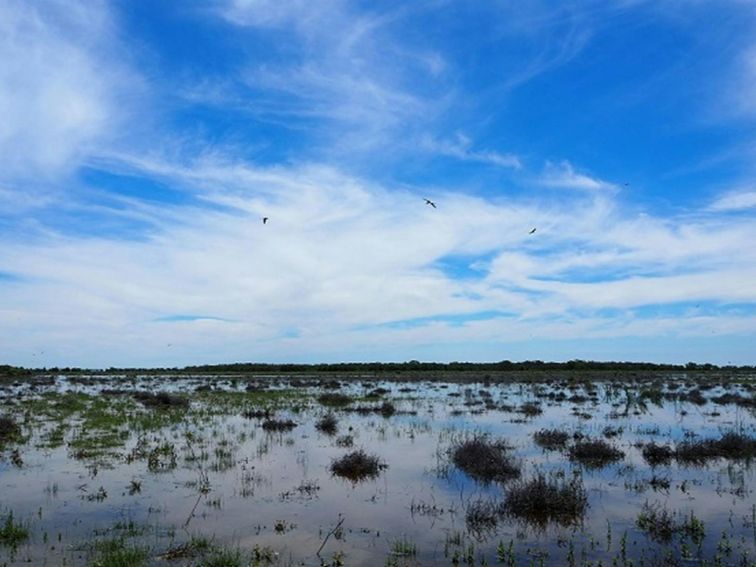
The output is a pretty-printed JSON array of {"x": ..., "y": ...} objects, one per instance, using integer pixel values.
[{"x": 306, "y": 470}]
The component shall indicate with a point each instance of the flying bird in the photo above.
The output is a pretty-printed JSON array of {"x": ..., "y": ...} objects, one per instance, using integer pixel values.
[
  {"x": 429, "y": 202},
  {"x": 532, "y": 230},
  {"x": 265, "y": 220}
]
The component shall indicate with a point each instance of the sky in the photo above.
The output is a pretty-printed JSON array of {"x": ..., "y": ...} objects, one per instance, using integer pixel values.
[{"x": 592, "y": 166}]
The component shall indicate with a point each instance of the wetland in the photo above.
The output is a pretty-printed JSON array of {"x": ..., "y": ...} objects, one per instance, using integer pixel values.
[{"x": 378, "y": 468}]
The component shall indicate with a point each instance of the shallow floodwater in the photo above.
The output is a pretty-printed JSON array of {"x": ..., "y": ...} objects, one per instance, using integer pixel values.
[{"x": 161, "y": 478}]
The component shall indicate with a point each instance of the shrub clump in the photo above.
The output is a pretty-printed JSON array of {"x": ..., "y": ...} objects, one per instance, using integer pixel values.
[
  {"x": 551, "y": 439},
  {"x": 731, "y": 445},
  {"x": 541, "y": 500},
  {"x": 485, "y": 460},
  {"x": 328, "y": 424},
  {"x": 357, "y": 466},
  {"x": 595, "y": 453}
]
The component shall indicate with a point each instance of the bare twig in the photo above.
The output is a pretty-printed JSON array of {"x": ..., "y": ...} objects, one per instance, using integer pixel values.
[{"x": 329, "y": 534}]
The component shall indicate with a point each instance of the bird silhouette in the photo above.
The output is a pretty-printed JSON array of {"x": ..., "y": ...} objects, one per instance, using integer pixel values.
[
  {"x": 532, "y": 231},
  {"x": 431, "y": 203},
  {"x": 265, "y": 220}
]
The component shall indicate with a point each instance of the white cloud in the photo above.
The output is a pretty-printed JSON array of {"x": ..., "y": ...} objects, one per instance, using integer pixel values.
[
  {"x": 735, "y": 201},
  {"x": 353, "y": 82},
  {"x": 58, "y": 86},
  {"x": 461, "y": 149},
  {"x": 563, "y": 175},
  {"x": 340, "y": 257}
]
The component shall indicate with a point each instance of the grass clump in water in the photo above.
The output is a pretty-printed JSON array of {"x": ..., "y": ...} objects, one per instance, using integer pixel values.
[
  {"x": 403, "y": 547},
  {"x": 161, "y": 400},
  {"x": 117, "y": 553},
  {"x": 225, "y": 558},
  {"x": 595, "y": 453},
  {"x": 541, "y": 500},
  {"x": 485, "y": 460},
  {"x": 482, "y": 516},
  {"x": 551, "y": 439},
  {"x": 661, "y": 525},
  {"x": 357, "y": 466},
  {"x": 278, "y": 425},
  {"x": 328, "y": 424},
  {"x": 334, "y": 399},
  {"x": 11, "y": 532},
  {"x": 656, "y": 455},
  {"x": 731, "y": 445},
  {"x": 9, "y": 430}
]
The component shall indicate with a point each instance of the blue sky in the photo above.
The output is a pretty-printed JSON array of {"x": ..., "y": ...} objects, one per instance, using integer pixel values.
[{"x": 141, "y": 144}]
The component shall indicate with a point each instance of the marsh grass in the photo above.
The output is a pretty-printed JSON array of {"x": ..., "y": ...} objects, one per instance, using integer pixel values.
[
  {"x": 543, "y": 499},
  {"x": 334, "y": 399},
  {"x": 551, "y": 439},
  {"x": 327, "y": 424},
  {"x": 594, "y": 453},
  {"x": 485, "y": 460},
  {"x": 161, "y": 400},
  {"x": 662, "y": 525},
  {"x": 357, "y": 466},
  {"x": 9, "y": 430},
  {"x": 118, "y": 553},
  {"x": 403, "y": 547},
  {"x": 731, "y": 445},
  {"x": 278, "y": 425},
  {"x": 656, "y": 455},
  {"x": 530, "y": 409},
  {"x": 345, "y": 441},
  {"x": 11, "y": 532},
  {"x": 482, "y": 516},
  {"x": 194, "y": 547}
]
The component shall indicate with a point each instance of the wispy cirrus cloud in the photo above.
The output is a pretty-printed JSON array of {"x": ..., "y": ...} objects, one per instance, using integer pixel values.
[
  {"x": 735, "y": 201},
  {"x": 62, "y": 94},
  {"x": 461, "y": 148},
  {"x": 564, "y": 176},
  {"x": 343, "y": 261}
]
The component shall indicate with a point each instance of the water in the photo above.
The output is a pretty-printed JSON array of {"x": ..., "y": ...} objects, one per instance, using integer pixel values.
[{"x": 156, "y": 478}]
